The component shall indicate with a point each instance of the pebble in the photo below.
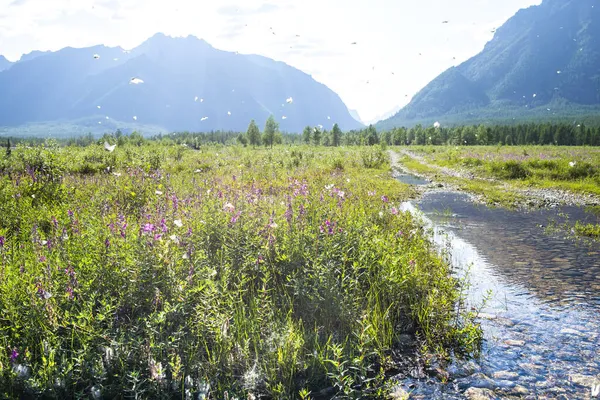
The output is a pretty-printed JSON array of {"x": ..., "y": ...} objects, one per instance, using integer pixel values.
[
  {"x": 520, "y": 390},
  {"x": 398, "y": 394},
  {"x": 584, "y": 380},
  {"x": 511, "y": 342},
  {"x": 505, "y": 375},
  {"x": 479, "y": 394}
]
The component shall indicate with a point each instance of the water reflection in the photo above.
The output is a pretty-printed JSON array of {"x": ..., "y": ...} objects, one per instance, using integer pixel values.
[{"x": 542, "y": 324}]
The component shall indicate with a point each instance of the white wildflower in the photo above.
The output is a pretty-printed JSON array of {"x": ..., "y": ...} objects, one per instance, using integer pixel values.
[{"x": 178, "y": 223}]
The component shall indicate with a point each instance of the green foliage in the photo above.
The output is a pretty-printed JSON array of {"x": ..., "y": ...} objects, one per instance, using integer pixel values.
[
  {"x": 316, "y": 136},
  {"x": 374, "y": 158},
  {"x": 271, "y": 128},
  {"x": 253, "y": 134},
  {"x": 216, "y": 273},
  {"x": 336, "y": 135},
  {"x": 307, "y": 135}
]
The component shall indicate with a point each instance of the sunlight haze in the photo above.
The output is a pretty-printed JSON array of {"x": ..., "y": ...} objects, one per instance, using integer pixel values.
[{"x": 400, "y": 45}]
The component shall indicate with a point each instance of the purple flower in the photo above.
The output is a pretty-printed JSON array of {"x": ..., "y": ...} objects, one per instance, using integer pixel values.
[
  {"x": 42, "y": 259},
  {"x": 385, "y": 199},
  {"x": 14, "y": 354},
  {"x": 235, "y": 217},
  {"x": 70, "y": 214},
  {"x": 147, "y": 228},
  {"x": 394, "y": 211},
  {"x": 157, "y": 237},
  {"x": 289, "y": 214},
  {"x": 2, "y": 241},
  {"x": 107, "y": 243}
]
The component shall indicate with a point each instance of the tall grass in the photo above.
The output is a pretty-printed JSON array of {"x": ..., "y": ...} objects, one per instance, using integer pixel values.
[{"x": 163, "y": 272}]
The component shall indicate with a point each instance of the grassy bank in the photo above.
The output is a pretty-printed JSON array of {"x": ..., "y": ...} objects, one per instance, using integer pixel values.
[
  {"x": 572, "y": 169},
  {"x": 162, "y": 272}
]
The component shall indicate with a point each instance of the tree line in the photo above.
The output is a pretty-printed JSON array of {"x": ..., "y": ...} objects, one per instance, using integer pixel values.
[{"x": 560, "y": 134}]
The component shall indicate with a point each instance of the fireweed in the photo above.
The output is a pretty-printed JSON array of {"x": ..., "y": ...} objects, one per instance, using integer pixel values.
[{"x": 249, "y": 275}]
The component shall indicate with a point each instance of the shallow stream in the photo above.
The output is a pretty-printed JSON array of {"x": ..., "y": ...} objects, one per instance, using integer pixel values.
[{"x": 542, "y": 322}]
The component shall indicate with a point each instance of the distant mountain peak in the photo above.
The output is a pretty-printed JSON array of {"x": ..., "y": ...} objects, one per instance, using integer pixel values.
[
  {"x": 187, "y": 85},
  {"x": 545, "y": 57},
  {"x": 4, "y": 63}
]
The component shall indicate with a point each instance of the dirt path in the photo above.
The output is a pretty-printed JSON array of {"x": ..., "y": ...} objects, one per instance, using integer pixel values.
[{"x": 533, "y": 197}]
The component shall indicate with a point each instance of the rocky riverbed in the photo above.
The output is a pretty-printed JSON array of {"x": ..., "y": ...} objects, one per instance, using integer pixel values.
[{"x": 542, "y": 319}]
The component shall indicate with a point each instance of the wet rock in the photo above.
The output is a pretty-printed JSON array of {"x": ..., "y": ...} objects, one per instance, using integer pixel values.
[
  {"x": 398, "y": 394},
  {"x": 584, "y": 380},
  {"x": 479, "y": 394},
  {"x": 479, "y": 381},
  {"x": 519, "y": 390},
  {"x": 512, "y": 342},
  {"x": 466, "y": 369},
  {"x": 505, "y": 375},
  {"x": 504, "y": 384},
  {"x": 531, "y": 367}
]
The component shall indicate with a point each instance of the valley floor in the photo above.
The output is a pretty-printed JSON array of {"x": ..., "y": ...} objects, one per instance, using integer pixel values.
[{"x": 158, "y": 271}]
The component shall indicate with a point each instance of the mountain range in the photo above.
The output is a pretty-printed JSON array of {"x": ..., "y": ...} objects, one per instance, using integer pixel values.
[
  {"x": 165, "y": 84},
  {"x": 542, "y": 64}
]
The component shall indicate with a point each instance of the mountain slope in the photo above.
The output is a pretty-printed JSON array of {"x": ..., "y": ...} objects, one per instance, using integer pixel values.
[
  {"x": 187, "y": 85},
  {"x": 544, "y": 57},
  {"x": 4, "y": 63}
]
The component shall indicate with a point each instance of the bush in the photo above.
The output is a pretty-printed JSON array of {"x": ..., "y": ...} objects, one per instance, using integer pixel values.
[{"x": 509, "y": 170}]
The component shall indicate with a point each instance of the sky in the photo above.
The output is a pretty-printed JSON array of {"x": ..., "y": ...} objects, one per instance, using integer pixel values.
[{"x": 401, "y": 45}]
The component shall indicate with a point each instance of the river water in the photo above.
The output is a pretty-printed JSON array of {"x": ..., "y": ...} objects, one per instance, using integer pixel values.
[{"x": 542, "y": 322}]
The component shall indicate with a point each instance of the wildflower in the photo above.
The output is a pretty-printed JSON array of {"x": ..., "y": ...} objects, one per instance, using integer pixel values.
[
  {"x": 42, "y": 293},
  {"x": 14, "y": 354},
  {"x": 107, "y": 243},
  {"x": 341, "y": 194},
  {"x": 174, "y": 239},
  {"x": 229, "y": 207},
  {"x": 178, "y": 223},
  {"x": 70, "y": 214},
  {"x": 158, "y": 192},
  {"x": 394, "y": 211},
  {"x": 372, "y": 193},
  {"x": 385, "y": 199},
  {"x": 235, "y": 217},
  {"x": 2, "y": 241},
  {"x": 289, "y": 214},
  {"x": 273, "y": 225},
  {"x": 572, "y": 164},
  {"x": 148, "y": 228},
  {"x": 380, "y": 214},
  {"x": 157, "y": 236},
  {"x": 329, "y": 187},
  {"x": 156, "y": 370},
  {"x": 163, "y": 225},
  {"x": 42, "y": 259}
]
